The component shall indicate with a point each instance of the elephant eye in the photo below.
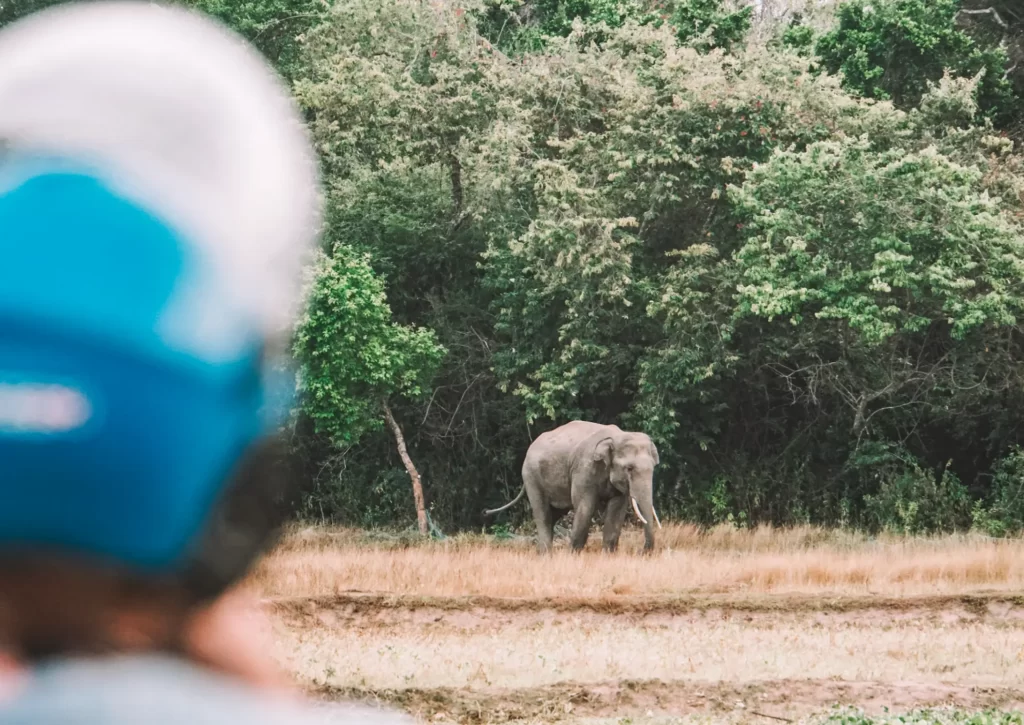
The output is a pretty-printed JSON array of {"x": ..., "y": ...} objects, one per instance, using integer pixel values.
[{"x": 629, "y": 467}]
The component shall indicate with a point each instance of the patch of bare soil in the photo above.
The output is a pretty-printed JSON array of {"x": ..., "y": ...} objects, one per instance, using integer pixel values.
[
  {"x": 770, "y": 699},
  {"x": 468, "y": 613},
  {"x": 474, "y": 659}
]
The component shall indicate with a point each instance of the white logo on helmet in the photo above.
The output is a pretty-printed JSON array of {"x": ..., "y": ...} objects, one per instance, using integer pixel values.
[{"x": 41, "y": 408}]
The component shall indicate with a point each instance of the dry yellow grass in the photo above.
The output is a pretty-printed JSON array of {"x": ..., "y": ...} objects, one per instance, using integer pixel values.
[
  {"x": 529, "y": 650},
  {"x": 721, "y": 561},
  {"x": 483, "y": 660}
]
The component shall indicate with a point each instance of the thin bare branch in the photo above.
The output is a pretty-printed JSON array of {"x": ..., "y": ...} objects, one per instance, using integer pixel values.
[{"x": 992, "y": 12}]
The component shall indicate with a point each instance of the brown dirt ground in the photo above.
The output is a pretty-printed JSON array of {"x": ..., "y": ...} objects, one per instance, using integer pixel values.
[
  {"x": 772, "y": 699},
  {"x": 386, "y": 610},
  {"x": 781, "y": 699}
]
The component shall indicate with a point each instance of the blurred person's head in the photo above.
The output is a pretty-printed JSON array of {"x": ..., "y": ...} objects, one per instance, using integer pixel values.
[{"x": 157, "y": 191}]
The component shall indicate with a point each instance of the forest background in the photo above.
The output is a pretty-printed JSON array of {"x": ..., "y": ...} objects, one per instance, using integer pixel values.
[{"x": 784, "y": 238}]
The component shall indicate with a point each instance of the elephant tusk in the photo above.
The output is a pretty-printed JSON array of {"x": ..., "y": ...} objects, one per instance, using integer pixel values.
[
  {"x": 636, "y": 509},
  {"x": 655, "y": 516}
]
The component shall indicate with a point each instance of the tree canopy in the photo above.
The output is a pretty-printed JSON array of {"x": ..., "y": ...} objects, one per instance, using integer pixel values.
[
  {"x": 786, "y": 244},
  {"x": 892, "y": 49}
]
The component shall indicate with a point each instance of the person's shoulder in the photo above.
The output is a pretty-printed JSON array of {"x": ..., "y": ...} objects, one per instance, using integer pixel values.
[{"x": 164, "y": 691}]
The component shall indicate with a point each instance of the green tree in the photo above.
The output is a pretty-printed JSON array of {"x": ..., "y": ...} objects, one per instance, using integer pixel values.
[
  {"x": 555, "y": 17},
  {"x": 1000, "y": 23},
  {"x": 1001, "y": 513},
  {"x": 885, "y": 242},
  {"x": 597, "y": 227},
  {"x": 891, "y": 49},
  {"x": 798, "y": 37},
  {"x": 707, "y": 23},
  {"x": 355, "y": 360},
  {"x": 526, "y": 25}
]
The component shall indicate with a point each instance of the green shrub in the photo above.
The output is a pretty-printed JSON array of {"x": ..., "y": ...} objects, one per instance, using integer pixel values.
[
  {"x": 1002, "y": 513},
  {"x": 799, "y": 37},
  {"x": 891, "y": 49},
  {"x": 910, "y": 500}
]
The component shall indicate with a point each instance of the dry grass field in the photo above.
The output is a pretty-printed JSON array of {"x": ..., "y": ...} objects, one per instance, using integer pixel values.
[{"x": 718, "y": 626}]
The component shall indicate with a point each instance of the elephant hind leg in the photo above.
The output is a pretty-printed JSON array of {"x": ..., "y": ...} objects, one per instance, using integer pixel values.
[
  {"x": 543, "y": 518},
  {"x": 614, "y": 517}
]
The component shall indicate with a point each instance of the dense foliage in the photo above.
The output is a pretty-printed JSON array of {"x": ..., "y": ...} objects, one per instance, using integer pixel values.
[
  {"x": 790, "y": 251},
  {"x": 892, "y": 49},
  {"x": 354, "y": 358}
]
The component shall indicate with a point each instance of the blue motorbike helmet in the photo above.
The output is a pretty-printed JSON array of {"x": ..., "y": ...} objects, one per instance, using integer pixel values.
[{"x": 158, "y": 192}]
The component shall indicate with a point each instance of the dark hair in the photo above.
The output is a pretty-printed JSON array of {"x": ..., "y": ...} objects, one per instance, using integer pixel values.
[{"x": 52, "y": 604}]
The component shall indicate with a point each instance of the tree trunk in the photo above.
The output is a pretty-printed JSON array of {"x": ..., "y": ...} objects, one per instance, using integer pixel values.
[
  {"x": 456, "y": 175},
  {"x": 417, "y": 486}
]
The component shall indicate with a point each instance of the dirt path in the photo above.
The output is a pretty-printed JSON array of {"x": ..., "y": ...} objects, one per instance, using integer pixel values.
[
  {"x": 769, "y": 699},
  {"x": 363, "y": 608},
  {"x": 493, "y": 660}
]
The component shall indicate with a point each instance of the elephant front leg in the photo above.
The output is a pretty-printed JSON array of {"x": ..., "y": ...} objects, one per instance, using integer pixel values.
[
  {"x": 614, "y": 517},
  {"x": 582, "y": 516}
]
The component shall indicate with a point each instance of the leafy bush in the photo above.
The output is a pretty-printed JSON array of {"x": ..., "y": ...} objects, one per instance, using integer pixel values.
[
  {"x": 1003, "y": 513},
  {"x": 799, "y": 37},
  {"x": 703, "y": 24},
  {"x": 885, "y": 242},
  {"x": 910, "y": 500},
  {"x": 707, "y": 24},
  {"x": 892, "y": 48}
]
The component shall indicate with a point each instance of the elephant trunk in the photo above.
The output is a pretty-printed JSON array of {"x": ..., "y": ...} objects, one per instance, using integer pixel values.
[{"x": 643, "y": 506}]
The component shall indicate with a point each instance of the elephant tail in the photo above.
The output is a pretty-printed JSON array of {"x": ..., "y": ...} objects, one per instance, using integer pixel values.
[{"x": 488, "y": 512}]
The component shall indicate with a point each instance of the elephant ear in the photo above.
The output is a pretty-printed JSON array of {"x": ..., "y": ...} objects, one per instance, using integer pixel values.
[
  {"x": 603, "y": 451},
  {"x": 654, "y": 453}
]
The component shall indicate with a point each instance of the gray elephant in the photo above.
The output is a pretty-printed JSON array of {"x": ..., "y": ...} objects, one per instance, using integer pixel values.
[{"x": 582, "y": 466}]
